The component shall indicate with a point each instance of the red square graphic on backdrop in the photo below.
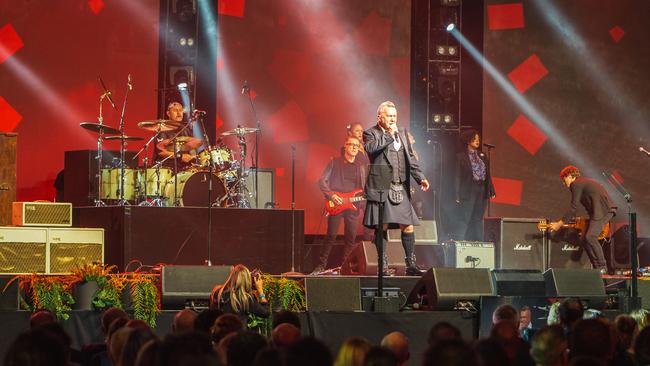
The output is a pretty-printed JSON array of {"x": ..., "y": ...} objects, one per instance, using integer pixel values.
[
  {"x": 234, "y": 8},
  {"x": 528, "y": 73},
  {"x": 508, "y": 191},
  {"x": 9, "y": 117},
  {"x": 526, "y": 134},
  {"x": 505, "y": 16},
  {"x": 10, "y": 42},
  {"x": 616, "y": 33}
]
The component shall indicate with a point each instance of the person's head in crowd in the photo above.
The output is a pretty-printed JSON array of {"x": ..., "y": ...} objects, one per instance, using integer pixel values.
[
  {"x": 269, "y": 356},
  {"x": 507, "y": 334},
  {"x": 355, "y": 129},
  {"x": 137, "y": 324},
  {"x": 36, "y": 347},
  {"x": 626, "y": 330},
  {"x": 553, "y": 314},
  {"x": 505, "y": 312},
  {"x": 205, "y": 320},
  {"x": 592, "y": 338},
  {"x": 285, "y": 316},
  {"x": 109, "y": 315},
  {"x": 490, "y": 352},
  {"x": 56, "y": 329},
  {"x": 189, "y": 348},
  {"x": 117, "y": 342},
  {"x": 243, "y": 347},
  {"x": 352, "y": 352},
  {"x": 41, "y": 317},
  {"x": 642, "y": 317},
  {"x": 380, "y": 356},
  {"x": 237, "y": 290},
  {"x": 224, "y": 325},
  {"x": 592, "y": 314},
  {"x": 115, "y": 325},
  {"x": 398, "y": 343},
  {"x": 148, "y": 353},
  {"x": 308, "y": 351},
  {"x": 525, "y": 318},
  {"x": 284, "y": 335},
  {"x": 451, "y": 352},
  {"x": 642, "y": 347},
  {"x": 549, "y": 346},
  {"x": 571, "y": 310},
  {"x": 443, "y": 331},
  {"x": 133, "y": 343},
  {"x": 184, "y": 321}
]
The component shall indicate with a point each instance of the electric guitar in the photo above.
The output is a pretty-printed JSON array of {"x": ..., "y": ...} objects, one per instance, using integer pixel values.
[
  {"x": 580, "y": 224},
  {"x": 348, "y": 198}
]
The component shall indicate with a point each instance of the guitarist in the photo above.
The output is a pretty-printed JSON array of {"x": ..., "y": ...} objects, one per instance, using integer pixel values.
[
  {"x": 593, "y": 197},
  {"x": 343, "y": 174}
]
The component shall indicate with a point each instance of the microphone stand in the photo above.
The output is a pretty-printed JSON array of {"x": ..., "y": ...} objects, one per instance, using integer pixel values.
[
  {"x": 145, "y": 160},
  {"x": 293, "y": 207},
  {"x": 100, "y": 118},
  {"x": 489, "y": 162},
  {"x": 122, "y": 201},
  {"x": 258, "y": 135},
  {"x": 206, "y": 142}
]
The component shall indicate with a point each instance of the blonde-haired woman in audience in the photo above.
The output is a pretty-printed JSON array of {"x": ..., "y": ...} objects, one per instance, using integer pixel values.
[
  {"x": 641, "y": 316},
  {"x": 236, "y": 294},
  {"x": 353, "y": 352}
]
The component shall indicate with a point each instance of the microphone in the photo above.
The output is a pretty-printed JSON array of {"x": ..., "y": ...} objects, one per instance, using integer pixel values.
[
  {"x": 198, "y": 112},
  {"x": 245, "y": 88},
  {"x": 489, "y": 146},
  {"x": 469, "y": 258},
  {"x": 644, "y": 150},
  {"x": 129, "y": 82},
  {"x": 107, "y": 92}
]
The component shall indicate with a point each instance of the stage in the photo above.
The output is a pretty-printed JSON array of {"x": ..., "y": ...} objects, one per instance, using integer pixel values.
[{"x": 258, "y": 238}]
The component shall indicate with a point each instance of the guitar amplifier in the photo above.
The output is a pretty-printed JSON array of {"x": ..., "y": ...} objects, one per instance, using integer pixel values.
[
  {"x": 41, "y": 214},
  {"x": 74, "y": 247},
  {"x": 468, "y": 254},
  {"x": 519, "y": 244},
  {"x": 23, "y": 250}
]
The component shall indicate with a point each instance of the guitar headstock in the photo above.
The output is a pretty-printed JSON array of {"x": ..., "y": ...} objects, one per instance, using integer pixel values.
[{"x": 543, "y": 224}]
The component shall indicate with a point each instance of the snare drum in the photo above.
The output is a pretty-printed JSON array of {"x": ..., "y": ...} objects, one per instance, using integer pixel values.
[
  {"x": 192, "y": 188},
  {"x": 111, "y": 184},
  {"x": 220, "y": 155},
  {"x": 155, "y": 181}
]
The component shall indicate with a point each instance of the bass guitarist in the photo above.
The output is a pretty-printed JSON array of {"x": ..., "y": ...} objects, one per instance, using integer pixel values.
[
  {"x": 593, "y": 197},
  {"x": 343, "y": 174}
]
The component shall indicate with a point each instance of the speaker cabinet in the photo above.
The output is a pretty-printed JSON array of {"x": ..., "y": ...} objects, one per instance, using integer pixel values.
[
  {"x": 519, "y": 282},
  {"x": 332, "y": 294},
  {"x": 518, "y": 243},
  {"x": 425, "y": 233},
  {"x": 23, "y": 250},
  {"x": 617, "y": 249},
  {"x": 8, "y": 143},
  {"x": 565, "y": 250},
  {"x": 468, "y": 254},
  {"x": 265, "y": 186},
  {"x": 190, "y": 284},
  {"x": 9, "y": 295},
  {"x": 74, "y": 247},
  {"x": 447, "y": 288},
  {"x": 573, "y": 282},
  {"x": 42, "y": 214},
  {"x": 363, "y": 258}
]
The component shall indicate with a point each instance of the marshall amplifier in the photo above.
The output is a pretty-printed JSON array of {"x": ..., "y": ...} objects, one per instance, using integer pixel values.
[
  {"x": 42, "y": 214},
  {"x": 518, "y": 243},
  {"x": 565, "y": 250}
]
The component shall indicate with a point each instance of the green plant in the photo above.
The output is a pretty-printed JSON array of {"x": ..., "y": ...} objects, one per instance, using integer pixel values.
[
  {"x": 110, "y": 285},
  {"x": 146, "y": 302},
  {"x": 46, "y": 292},
  {"x": 282, "y": 294}
]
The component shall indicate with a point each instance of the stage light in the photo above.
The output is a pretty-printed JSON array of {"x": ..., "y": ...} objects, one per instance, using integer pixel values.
[
  {"x": 442, "y": 50},
  {"x": 437, "y": 118},
  {"x": 450, "y": 27},
  {"x": 190, "y": 42},
  {"x": 451, "y": 51},
  {"x": 448, "y": 118},
  {"x": 182, "y": 41},
  {"x": 182, "y": 86}
]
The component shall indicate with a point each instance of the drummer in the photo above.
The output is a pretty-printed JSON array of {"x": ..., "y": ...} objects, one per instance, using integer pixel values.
[{"x": 175, "y": 113}]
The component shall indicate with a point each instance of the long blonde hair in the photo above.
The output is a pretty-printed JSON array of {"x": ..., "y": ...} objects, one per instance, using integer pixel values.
[
  {"x": 240, "y": 285},
  {"x": 352, "y": 352}
]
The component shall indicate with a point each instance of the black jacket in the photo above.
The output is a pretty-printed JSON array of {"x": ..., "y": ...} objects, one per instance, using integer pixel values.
[
  {"x": 464, "y": 176},
  {"x": 592, "y": 196},
  {"x": 332, "y": 178}
]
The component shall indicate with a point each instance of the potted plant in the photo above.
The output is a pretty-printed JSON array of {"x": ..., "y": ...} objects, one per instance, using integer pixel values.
[
  {"x": 95, "y": 287},
  {"x": 282, "y": 294},
  {"x": 46, "y": 292},
  {"x": 145, "y": 298}
]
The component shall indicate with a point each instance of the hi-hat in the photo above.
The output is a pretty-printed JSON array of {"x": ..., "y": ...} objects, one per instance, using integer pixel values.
[
  {"x": 156, "y": 125},
  {"x": 99, "y": 128},
  {"x": 240, "y": 131},
  {"x": 125, "y": 138},
  {"x": 183, "y": 143}
]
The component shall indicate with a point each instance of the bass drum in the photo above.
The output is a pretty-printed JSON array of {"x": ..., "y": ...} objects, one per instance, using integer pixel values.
[{"x": 192, "y": 189}]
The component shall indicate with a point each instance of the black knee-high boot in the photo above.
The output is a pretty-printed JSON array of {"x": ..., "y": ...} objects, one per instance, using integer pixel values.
[{"x": 408, "y": 242}]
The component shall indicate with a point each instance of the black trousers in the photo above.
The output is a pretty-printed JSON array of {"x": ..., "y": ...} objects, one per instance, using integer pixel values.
[
  {"x": 592, "y": 245},
  {"x": 471, "y": 211},
  {"x": 350, "y": 220}
]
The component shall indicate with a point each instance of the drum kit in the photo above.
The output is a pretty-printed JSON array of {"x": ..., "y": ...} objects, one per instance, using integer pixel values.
[{"x": 214, "y": 176}]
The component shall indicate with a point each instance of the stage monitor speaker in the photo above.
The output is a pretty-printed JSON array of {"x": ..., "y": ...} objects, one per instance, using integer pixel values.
[
  {"x": 23, "y": 250},
  {"x": 266, "y": 187},
  {"x": 333, "y": 294},
  {"x": 190, "y": 285},
  {"x": 8, "y": 143},
  {"x": 9, "y": 296},
  {"x": 518, "y": 243},
  {"x": 41, "y": 214},
  {"x": 452, "y": 288},
  {"x": 425, "y": 233},
  {"x": 71, "y": 248},
  {"x": 363, "y": 258},
  {"x": 519, "y": 282},
  {"x": 617, "y": 249},
  {"x": 468, "y": 254},
  {"x": 573, "y": 282}
]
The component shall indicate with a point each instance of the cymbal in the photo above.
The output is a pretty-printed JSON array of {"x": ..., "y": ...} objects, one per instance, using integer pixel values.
[
  {"x": 183, "y": 143},
  {"x": 156, "y": 125},
  {"x": 125, "y": 138},
  {"x": 96, "y": 127},
  {"x": 239, "y": 131}
]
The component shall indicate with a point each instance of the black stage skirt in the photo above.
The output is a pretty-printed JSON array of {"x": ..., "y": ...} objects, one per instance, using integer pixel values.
[{"x": 394, "y": 215}]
